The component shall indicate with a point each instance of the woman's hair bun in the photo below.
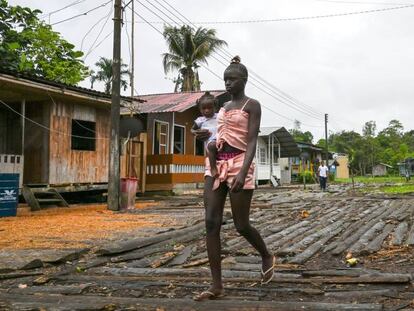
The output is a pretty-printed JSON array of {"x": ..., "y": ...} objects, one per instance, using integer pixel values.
[{"x": 236, "y": 60}]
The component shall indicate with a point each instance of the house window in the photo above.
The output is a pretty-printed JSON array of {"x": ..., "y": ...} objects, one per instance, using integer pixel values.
[
  {"x": 83, "y": 135},
  {"x": 199, "y": 147},
  {"x": 179, "y": 138},
  {"x": 160, "y": 137},
  {"x": 262, "y": 155}
]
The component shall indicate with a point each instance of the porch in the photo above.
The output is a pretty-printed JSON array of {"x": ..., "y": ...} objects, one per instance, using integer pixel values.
[{"x": 174, "y": 171}]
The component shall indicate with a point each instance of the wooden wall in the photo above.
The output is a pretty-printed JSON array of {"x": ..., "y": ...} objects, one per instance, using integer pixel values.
[
  {"x": 36, "y": 143},
  {"x": 10, "y": 130},
  {"x": 75, "y": 166},
  {"x": 165, "y": 117},
  {"x": 186, "y": 119}
]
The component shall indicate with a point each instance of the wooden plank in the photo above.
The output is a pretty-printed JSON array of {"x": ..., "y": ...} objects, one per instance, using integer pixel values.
[
  {"x": 314, "y": 248},
  {"x": 399, "y": 233},
  {"x": 246, "y": 275},
  {"x": 410, "y": 237},
  {"x": 366, "y": 237},
  {"x": 361, "y": 229},
  {"x": 375, "y": 244},
  {"x": 141, "y": 242},
  {"x": 90, "y": 302},
  {"x": 30, "y": 198}
]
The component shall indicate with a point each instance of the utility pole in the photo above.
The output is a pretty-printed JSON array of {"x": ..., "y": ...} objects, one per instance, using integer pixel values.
[
  {"x": 114, "y": 167},
  {"x": 132, "y": 50},
  {"x": 326, "y": 138}
]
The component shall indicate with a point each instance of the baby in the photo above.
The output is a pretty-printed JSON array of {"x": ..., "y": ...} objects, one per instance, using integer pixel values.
[{"x": 208, "y": 122}]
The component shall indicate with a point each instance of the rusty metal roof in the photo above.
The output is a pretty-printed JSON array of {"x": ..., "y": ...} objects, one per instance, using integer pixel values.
[{"x": 167, "y": 102}]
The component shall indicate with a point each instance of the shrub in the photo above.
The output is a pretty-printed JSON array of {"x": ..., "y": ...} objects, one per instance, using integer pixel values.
[{"x": 308, "y": 177}]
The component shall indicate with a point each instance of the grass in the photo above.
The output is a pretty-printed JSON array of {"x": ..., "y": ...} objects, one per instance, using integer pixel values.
[
  {"x": 376, "y": 180},
  {"x": 402, "y": 189}
]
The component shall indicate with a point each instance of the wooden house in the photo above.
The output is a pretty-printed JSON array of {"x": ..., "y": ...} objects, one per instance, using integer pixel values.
[
  {"x": 380, "y": 169},
  {"x": 339, "y": 165},
  {"x": 309, "y": 158},
  {"x": 52, "y": 133},
  {"x": 274, "y": 146},
  {"x": 175, "y": 159}
]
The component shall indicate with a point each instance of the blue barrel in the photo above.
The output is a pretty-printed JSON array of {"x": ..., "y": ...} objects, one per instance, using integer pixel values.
[{"x": 9, "y": 194}]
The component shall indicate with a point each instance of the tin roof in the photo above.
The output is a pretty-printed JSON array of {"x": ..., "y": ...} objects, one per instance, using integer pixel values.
[
  {"x": 288, "y": 146},
  {"x": 168, "y": 102},
  {"x": 62, "y": 86}
]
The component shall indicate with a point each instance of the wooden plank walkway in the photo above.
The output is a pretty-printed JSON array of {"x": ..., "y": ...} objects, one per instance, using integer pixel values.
[{"x": 311, "y": 234}]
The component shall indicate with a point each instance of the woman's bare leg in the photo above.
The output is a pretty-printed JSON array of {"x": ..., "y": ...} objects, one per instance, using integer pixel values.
[
  {"x": 214, "y": 205},
  {"x": 240, "y": 207}
]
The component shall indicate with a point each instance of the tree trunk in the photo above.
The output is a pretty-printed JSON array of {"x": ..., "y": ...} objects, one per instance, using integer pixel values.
[{"x": 188, "y": 80}]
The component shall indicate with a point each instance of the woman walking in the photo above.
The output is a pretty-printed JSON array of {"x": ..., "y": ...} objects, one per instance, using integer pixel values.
[{"x": 238, "y": 127}]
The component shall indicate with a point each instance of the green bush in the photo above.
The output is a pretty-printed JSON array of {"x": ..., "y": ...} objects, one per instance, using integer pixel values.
[
  {"x": 308, "y": 177},
  {"x": 331, "y": 177}
]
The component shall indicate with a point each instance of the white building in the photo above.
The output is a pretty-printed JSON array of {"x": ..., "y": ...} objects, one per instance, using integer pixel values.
[{"x": 274, "y": 146}]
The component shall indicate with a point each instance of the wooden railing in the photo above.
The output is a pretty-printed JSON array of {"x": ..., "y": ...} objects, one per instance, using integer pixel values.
[
  {"x": 175, "y": 168},
  {"x": 12, "y": 163}
]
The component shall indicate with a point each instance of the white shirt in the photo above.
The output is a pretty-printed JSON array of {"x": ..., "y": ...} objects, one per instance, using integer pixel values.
[
  {"x": 210, "y": 124},
  {"x": 323, "y": 171}
]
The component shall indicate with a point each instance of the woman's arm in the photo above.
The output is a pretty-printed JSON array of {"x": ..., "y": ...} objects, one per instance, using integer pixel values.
[{"x": 255, "y": 113}]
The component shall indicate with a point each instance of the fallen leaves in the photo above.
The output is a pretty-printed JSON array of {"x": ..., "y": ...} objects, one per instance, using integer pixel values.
[{"x": 72, "y": 227}]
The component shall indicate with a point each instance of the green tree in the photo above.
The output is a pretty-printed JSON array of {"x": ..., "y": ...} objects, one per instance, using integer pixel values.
[
  {"x": 370, "y": 146},
  {"x": 30, "y": 46},
  {"x": 105, "y": 74},
  {"x": 188, "y": 49},
  {"x": 299, "y": 135}
]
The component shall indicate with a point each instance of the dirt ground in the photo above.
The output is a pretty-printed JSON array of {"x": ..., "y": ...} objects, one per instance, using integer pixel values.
[{"x": 74, "y": 227}]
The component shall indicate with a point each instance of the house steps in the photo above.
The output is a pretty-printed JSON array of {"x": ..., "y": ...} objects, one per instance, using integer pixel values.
[
  {"x": 275, "y": 181},
  {"x": 39, "y": 195}
]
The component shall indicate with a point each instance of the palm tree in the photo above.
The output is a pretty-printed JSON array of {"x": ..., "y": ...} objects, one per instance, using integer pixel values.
[
  {"x": 188, "y": 49},
  {"x": 104, "y": 74}
]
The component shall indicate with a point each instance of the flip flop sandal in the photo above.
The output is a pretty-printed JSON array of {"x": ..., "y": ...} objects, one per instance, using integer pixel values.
[
  {"x": 207, "y": 295},
  {"x": 271, "y": 269}
]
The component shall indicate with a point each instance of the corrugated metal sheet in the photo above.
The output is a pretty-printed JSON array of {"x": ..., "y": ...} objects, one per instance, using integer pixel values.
[
  {"x": 288, "y": 146},
  {"x": 168, "y": 102},
  {"x": 62, "y": 86}
]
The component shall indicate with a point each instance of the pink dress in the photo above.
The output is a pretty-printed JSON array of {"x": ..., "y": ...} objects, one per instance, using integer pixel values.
[{"x": 232, "y": 128}]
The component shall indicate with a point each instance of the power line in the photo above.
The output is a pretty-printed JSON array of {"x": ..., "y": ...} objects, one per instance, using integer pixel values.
[
  {"x": 216, "y": 75},
  {"x": 100, "y": 42},
  {"x": 366, "y": 3},
  {"x": 91, "y": 48},
  {"x": 127, "y": 35},
  {"x": 82, "y": 14},
  {"x": 302, "y": 107},
  {"x": 93, "y": 27},
  {"x": 289, "y": 19},
  {"x": 61, "y": 9},
  {"x": 279, "y": 97}
]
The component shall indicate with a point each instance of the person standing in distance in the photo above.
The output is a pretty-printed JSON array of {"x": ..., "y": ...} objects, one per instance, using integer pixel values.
[{"x": 323, "y": 172}]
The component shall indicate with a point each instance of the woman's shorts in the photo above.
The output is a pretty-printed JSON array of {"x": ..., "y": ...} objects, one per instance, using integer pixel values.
[{"x": 228, "y": 170}]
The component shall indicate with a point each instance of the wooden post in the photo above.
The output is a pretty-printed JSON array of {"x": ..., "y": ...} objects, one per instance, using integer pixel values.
[
  {"x": 172, "y": 133},
  {"x": 326, "y": 139},
  {"x": 23, "y": 112},
  {"x": 114, "y": 158}
]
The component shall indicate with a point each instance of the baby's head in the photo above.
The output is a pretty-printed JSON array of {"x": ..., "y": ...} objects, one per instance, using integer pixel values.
[{"x": 207, "y": 104}]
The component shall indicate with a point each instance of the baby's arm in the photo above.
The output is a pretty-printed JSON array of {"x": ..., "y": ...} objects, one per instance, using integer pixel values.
[{"x": 194, "y": 128}]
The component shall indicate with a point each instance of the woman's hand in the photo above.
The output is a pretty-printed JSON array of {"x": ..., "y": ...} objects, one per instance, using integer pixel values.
[
  {"x": 201, "y": 134},
  {"x": 238, "y": 182}
]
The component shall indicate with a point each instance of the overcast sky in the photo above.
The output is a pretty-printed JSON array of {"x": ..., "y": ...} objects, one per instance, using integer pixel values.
[{"x": 356, "y": 68}]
